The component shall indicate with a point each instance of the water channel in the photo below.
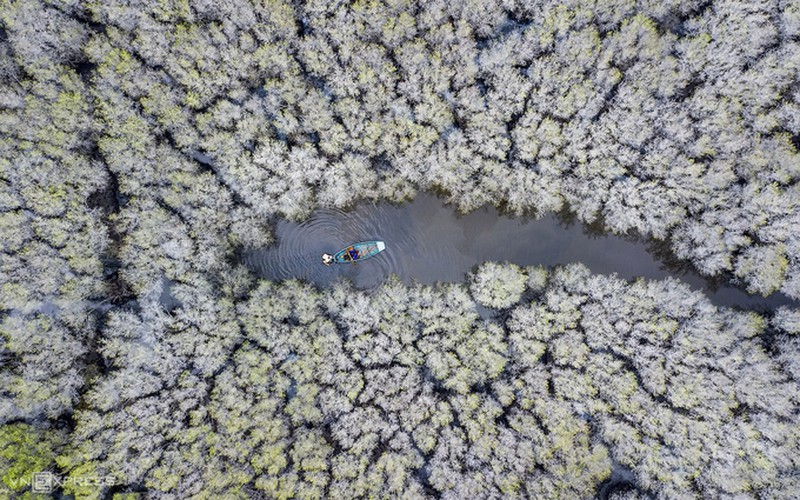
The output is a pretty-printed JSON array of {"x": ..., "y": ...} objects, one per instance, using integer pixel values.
[{"x": 428, "y": 241}]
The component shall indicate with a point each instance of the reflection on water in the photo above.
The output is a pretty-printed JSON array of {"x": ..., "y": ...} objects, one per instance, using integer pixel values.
[{"x": 428, "y": 241}]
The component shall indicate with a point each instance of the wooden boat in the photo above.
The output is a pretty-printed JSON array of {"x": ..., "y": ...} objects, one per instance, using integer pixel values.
[{"x": 363, "y": 250}]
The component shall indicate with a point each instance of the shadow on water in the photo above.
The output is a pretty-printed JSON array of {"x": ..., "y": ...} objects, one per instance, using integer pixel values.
[
  {"x": 428, "y": 241},
  {"x": 660, "y": 250},
  {"x": 622, "y": 480}
]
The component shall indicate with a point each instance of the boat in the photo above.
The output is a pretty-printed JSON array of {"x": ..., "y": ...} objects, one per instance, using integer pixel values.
[{"x": 363, "y": 250}]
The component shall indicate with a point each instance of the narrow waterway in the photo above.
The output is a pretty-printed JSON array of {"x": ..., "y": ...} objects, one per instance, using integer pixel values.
[{"x": 428, "y": 241}]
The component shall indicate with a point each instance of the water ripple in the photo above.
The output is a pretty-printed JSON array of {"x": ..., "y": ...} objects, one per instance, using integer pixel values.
[{"x": 427, "y": 241}]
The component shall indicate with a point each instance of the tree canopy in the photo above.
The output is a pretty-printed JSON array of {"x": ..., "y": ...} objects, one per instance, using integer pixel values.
[{"x": 144, "y": 145}]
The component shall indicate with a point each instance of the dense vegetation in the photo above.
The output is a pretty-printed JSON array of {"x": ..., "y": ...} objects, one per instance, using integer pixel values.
[
  {"x": 295, "y": 392},
  {"x": 152, "y": 141}
]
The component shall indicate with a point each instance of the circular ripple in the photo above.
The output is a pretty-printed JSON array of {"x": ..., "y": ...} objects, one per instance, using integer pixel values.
[
  {"x": 299, "y": 248},
  {"x": 427, "y": 241},
  {"x": 422, "y": 243}
]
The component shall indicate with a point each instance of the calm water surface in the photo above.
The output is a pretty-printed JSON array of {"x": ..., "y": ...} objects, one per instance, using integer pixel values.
[{"x": 428, "y": 241}]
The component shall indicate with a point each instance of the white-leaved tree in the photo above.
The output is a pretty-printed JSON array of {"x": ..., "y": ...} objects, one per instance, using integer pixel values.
[{"x": 498, "y": 285}]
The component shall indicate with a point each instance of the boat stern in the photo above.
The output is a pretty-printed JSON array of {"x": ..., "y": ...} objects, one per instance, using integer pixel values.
[{"x": 381, "y": 246}]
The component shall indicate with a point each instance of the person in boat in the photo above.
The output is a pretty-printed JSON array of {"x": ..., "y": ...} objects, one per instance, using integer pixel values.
[
  {"x": 327, "y": 259},
  {"x": 353, "y": 253}
]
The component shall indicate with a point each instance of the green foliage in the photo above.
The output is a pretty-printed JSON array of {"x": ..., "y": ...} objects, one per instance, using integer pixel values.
[
  {"x": 537, "y": 278},
  {"x": 43, "y": 376},
  {"x": 323, "y": 395},
  {"x": 602, "y": 106},
  {"x": 498, "y": 285},
  {"x": 787, "y": 320},
  {"x": 144, "y": 145},
  {"x": 24, "y": 451},
  {"x": 764, "y": 268}
]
